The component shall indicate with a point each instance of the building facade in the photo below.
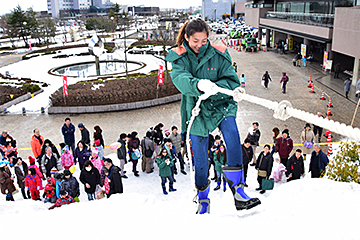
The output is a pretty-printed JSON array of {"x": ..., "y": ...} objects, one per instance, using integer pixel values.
[
  {"x": 212, "y": 9},
  {"x": 55, "y": 6},
  {"x": 327, "y": 28}
]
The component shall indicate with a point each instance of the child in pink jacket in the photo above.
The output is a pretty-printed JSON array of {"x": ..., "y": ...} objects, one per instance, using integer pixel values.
[
  {"x": 95, "y": 160},
  {"x": 67, "y": 159}
]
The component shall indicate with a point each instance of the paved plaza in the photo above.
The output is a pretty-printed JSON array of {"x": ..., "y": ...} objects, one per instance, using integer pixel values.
[{"x": 253, "y": 65}]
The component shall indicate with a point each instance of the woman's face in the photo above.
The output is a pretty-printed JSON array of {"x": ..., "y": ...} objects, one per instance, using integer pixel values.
[
  {"x": 80, "y": 145},
  {"x": 197, "y": 40},
  {"x": 164, "y": 152}
]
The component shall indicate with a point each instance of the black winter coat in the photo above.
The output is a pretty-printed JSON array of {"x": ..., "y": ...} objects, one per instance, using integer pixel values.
[
  {"x": 121, "y": 151},
  {"x": 71, "y": 186},
  {"x": 20, "y": 176},
  {"x": 115, "y": 181},
  {"x": 247, "y": 154},
  {"x": 295, "y": 167},
  {"x": 266, "y": 163},
  {"x": 85, "y": 136},
  {"x": 254, "y": 137},
  {"x": 92, "y": 178}
]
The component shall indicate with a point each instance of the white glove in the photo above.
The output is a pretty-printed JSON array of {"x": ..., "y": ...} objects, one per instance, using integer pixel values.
[{"x": 208, "y": 87}]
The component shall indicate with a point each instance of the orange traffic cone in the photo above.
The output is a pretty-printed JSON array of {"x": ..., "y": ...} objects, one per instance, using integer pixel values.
[
  {"x": 312, "y": 89},
  {"x": 330, "y": 150},
  {"x": 263, "y": 49},
  {"x": 323, "y": 95},
  {"x": 310, "y": 84},
  {"x": 252, "y": 49},
  {"x": 330, "y": 104},
  {"x": 328, "y": 140},
  {"x": 245, "y": 50},
  {"x": 329, "y": 112},
  {"x": 310, "y": 78}
]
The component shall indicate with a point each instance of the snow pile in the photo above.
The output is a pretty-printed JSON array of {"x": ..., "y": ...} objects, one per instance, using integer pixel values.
[
  {"x": 95, "y": 87},
  {"x": 302, "y": 209}
]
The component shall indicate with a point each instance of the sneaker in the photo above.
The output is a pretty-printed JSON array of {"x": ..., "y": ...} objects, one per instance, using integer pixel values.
[
  {"x": 183, "y": 172},
  {"x": 175, "y": 172},
  {"x": 258, "y": 189},
  {"x": 252, "y": 164},
  {"x": 245, "y": 185},
  {"x": 136, "y": 174},
  {"x": 124, "y": 176}
]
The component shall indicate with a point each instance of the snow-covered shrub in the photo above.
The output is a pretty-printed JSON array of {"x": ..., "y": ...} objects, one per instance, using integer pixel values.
[{"x": 344, "y": 167}]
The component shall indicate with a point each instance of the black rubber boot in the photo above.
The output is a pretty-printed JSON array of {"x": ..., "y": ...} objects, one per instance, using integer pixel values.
[{"x": 23, "y": 193}]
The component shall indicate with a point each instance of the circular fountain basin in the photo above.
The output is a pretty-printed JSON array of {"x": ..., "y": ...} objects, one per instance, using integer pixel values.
[{"x": 88, "y": 69}]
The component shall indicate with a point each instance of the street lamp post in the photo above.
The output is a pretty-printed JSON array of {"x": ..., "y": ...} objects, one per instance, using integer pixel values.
[
  {"x": 125, "y": 50},
  {"x": 26, "y": 39}
]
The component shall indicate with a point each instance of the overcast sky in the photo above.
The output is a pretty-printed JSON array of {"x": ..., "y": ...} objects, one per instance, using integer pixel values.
[{"x": 41, "y": 5}]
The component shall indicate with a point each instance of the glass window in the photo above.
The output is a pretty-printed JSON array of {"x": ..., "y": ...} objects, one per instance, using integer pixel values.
[
  {"x": 297, "y": 7},
  {"x": 315, "y": 7}
]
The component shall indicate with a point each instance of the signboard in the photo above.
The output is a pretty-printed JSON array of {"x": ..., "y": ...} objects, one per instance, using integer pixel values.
[
  {"x": 291, "y": 44},
  {"x": 326, "y": 54},
  {"x": 160, "y": 75},
  {"x": 65, "y": 86},
  {"x": 328, "y": 64},
  {"x": 303, "y": 50}
]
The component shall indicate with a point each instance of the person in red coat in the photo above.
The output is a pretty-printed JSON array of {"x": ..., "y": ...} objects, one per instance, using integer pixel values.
[
  {"x": 32, "y": 182},
  {"x": 50, "y": 190},
  {"x": 37, "y": 141},
  {"x": 284, "y": 146}
]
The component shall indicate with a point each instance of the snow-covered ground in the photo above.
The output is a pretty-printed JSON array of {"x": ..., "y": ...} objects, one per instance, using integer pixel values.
[
  {"x": 302, "y": 209},
  {"x": 37, "y": 69}
]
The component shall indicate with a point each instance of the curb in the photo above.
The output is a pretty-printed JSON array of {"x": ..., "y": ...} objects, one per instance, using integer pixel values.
[
  {"x": 114, "y": 107},
  {"x": 19, "y": 100}
]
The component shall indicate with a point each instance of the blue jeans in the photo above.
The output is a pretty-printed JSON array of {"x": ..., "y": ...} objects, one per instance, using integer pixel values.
[
  {"x": 199, "y": 145},
  {"x": 91, "y": 196},
  {"x": 163, "y": 180},
  {"x": 219, "y": 175}
]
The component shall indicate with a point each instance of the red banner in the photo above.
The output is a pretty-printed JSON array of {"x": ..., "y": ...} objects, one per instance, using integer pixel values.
[
  {"x": 160, "y": 75},
  {"x": 65, "y": 86},
  {"x": 64, "y": 39},
  {"x": 30, "y": 45}
]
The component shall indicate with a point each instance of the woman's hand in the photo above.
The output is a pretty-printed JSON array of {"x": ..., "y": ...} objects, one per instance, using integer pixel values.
[{"x": 87, "y": 185}]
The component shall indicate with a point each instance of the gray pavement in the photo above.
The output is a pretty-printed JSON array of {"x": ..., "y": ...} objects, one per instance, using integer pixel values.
[{"x": 253, "y": 65}]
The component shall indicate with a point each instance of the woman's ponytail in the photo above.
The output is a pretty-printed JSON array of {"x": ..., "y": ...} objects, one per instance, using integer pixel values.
[{"x": 181, "y": 36}]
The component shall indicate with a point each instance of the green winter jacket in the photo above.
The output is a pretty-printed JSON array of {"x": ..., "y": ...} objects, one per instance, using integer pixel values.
[
  {"x": 219, "y": 163},
  {"x": 213, "y": 63},
  {"x": 164, "y": 169}
]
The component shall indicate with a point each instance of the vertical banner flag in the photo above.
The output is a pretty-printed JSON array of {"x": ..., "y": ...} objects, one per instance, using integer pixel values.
[
  {"x": 326, "y": 54},
  {"x": 64, "y": 39},
  {"x": 160, "y": 75},
  {"x": 30, "y": 45},
  {"x": 65, "y": 86}
]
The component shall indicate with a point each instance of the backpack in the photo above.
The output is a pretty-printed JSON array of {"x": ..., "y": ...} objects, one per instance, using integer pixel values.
[{"x": 148, "y": 153}]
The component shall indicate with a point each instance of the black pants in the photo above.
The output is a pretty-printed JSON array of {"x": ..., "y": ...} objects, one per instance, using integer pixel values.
[
  {"x": 284, "y": 161},
  {"x": 134, "y": 162},
  {"x": 259, "y": 179},
  {"x": 245, "y": 171},
  {"x": 293, "y": 178},
  {"x": 318, "y": 130},
  {"x": 346, "y": 94}
]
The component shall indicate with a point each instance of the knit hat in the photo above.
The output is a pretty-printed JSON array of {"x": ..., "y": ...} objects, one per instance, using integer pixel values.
[
  {"x": 31, "y": 159},
  {"x": 307, "y": 125},
  {"x": 97, "y": 142},
  {"x": 96, "y": 152},
  {"x": 48, "y": 180},
  {"x": 166, "y": 131},
  {"x": 66, "y": 149},
  {"x": 58, "y": 175},
  {"x": 80, "y": 125},
  {"x": 285, "y": 131},
  {"x": 67, "y": 172},
  {"x": 174, "y": 127},
  {"x": 53, "y": 171}
]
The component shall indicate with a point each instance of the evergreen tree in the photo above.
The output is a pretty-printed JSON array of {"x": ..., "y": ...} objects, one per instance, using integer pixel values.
[{"x": 344, "y": 167}]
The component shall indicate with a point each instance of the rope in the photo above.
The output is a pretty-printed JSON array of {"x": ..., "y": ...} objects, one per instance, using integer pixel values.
[{"x": 282, "y": 111}]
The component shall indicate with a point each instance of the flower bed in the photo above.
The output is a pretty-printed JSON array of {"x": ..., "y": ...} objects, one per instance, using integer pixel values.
[{"x": 114, "y": 92}]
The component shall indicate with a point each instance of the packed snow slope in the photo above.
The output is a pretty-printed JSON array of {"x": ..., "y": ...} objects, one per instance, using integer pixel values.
[{"x": 302, "y": 209}]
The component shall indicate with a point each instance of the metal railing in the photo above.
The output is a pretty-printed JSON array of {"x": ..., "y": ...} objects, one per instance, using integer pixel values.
[{"x": 317, "y": 19}]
